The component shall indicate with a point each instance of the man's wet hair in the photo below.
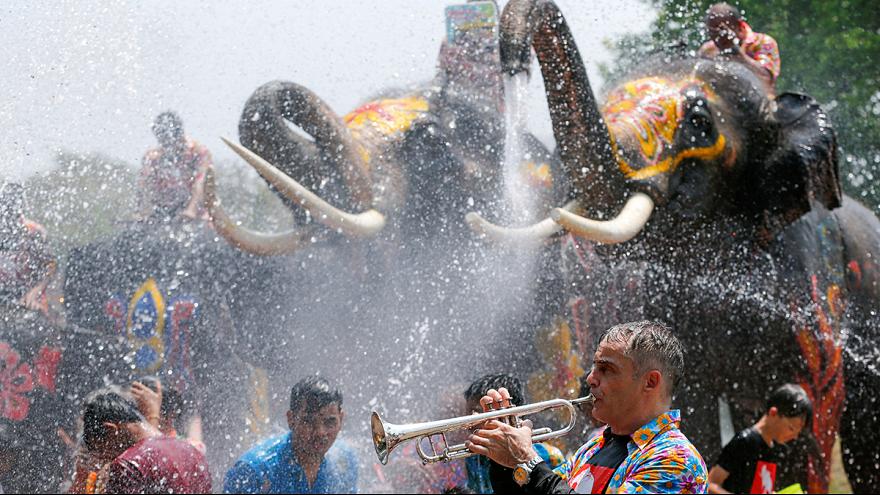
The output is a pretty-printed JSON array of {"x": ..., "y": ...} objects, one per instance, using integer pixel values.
[
  {"x": 650, "y": 345},
  {"x": 791, "y": 401},
  {"x": 168, "y": 123},
  {"x": 110, "y": 404},
  {"x": 495, "y": 381},
  {"x": 724, "y": 11},
  {"x": 314, "y": 393}
]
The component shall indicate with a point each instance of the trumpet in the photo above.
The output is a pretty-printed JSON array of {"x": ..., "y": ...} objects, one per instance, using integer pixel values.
[{"x": 387, "y": 436}]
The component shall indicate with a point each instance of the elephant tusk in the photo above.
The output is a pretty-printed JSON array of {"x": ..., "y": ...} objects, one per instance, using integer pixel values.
[
  {"x": 363, "y": 224},
  {"x": 535, "y": 233},
  {"x": 628, "y": 223},
  {"x": 247, "y": 240}
]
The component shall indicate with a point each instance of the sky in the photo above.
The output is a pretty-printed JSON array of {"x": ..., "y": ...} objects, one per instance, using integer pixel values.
[{"x": 90, "y": 76}]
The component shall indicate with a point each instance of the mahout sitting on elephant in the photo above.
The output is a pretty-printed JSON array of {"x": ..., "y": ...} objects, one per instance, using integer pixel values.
[{"x": 723, "y": 217}]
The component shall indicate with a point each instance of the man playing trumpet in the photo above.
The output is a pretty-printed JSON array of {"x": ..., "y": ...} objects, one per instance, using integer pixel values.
[{"x": 635, "y": 370}]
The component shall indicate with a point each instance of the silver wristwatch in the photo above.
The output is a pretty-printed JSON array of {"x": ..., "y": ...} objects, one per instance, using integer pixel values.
[{"x": 523, "y": 472}]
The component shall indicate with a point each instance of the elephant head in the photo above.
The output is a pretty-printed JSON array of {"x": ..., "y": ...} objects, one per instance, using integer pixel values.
[{"x": 693, "y": 139}]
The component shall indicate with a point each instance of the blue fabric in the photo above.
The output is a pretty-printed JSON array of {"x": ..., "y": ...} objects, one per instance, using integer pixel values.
[
  {"x": 478, "y": 467},
  {"x": 270, "y": 468}
]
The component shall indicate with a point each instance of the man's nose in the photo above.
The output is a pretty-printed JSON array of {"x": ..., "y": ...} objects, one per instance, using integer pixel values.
[{"x": 592, "y": 381}]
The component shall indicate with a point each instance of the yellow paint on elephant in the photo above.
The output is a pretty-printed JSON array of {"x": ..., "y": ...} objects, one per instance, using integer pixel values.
[
  {"x": 537, "y": 175},
  {"x": 651, "y": 110},
  {"x": 156, "y": 338},
  {"x": 258, "y": 420},
  {"x": 560, "y": 372},
  {"x": 390, "y": 116}
]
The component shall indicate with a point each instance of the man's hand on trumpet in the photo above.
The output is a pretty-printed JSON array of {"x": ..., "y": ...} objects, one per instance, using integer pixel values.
[{"x": 506, "y": 445}]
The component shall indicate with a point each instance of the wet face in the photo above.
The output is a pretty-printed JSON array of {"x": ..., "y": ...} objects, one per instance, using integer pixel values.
[
  {"x": 614, "y": 384},
  {"x": 118, "y": 438},
  {"x": 665, "y": 137},
  {"x": 315, "y": 430},
  {"x": 785, "y": 429},
  {"x": 724, "y": 30}
]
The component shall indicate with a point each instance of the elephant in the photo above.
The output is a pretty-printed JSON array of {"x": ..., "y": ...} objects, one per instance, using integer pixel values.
[
  {"x": 697, "y": 197},
  {"x": 378, "y": 198},
  {"x": 189, "y": 309},
  {"x": 46, "y": 371}
]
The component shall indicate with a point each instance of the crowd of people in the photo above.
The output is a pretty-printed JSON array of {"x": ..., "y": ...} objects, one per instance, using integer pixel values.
[{"x": 143, "y": 437}]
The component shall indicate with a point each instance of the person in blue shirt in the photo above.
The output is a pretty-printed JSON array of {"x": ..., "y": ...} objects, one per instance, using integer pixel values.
[
  {"x": 478, "y": 466},
  {"x": 305, "y": 460}
]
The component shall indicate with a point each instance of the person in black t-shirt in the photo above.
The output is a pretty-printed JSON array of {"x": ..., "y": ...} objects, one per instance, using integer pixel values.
[{"x": 747, "y": 464}]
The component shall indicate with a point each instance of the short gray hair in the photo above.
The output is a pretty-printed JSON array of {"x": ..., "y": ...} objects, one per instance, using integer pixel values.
[{"x": 650, "y": 345}]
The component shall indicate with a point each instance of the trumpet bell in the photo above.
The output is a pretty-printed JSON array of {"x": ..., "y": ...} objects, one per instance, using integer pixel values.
[{"x": 380, "y": 439}]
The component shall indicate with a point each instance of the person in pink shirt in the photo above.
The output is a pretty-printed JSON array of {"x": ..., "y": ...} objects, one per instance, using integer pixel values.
[
  {"x": 172, "y": 177},
  {"x": 139, "y": 459},
  {"x": 731, "y": 36}
]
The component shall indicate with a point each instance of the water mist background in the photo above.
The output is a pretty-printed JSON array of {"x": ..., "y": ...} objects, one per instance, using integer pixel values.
[{"x": 90, "y": 78}]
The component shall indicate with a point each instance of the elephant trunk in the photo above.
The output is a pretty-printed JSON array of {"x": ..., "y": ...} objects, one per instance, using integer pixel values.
[
  {"x": 331, "y": 153},
  {"x": 581, "y": 135}
]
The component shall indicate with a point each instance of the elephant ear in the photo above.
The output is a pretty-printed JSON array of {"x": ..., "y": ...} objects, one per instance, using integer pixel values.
[{"x": 802, "y": 170}]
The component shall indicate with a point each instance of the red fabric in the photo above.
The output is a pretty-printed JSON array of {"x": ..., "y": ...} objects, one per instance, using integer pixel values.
[{"x": 160, "y": 465}]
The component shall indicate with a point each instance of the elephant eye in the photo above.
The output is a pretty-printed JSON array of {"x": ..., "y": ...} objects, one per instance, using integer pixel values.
[{"x": 701, "y": 124}]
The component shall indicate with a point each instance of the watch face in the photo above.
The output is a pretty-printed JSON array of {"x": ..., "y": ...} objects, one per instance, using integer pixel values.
[{"x": 520, "y": 475}]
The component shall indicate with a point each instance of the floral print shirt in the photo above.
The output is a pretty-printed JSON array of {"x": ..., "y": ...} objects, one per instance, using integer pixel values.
[
  {"x": 661, "y": 460},
  {"x": 757, "y": 46}
]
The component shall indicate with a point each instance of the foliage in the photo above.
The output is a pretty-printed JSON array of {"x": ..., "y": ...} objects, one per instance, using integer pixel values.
[{"x": 829, "y": 50}]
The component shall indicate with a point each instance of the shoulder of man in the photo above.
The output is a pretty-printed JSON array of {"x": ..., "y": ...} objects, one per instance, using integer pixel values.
[
  {"x": 342, "y": 457},
  {"x": 196, "y": 148},
  {"x": 669, "y": 464},
  {"x": 580, "y": 456},
  {"x": 152, "y": 155},
  {"x": 267, "y": 452}
]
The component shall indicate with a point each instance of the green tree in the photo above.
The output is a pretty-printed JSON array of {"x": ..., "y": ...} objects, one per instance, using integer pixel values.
[{"x": 829, "y": 49}]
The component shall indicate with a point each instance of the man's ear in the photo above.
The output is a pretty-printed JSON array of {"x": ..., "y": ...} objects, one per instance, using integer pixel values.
[
  {"x": 653, "y": 380},
  {"x": 773, "y": 412}
]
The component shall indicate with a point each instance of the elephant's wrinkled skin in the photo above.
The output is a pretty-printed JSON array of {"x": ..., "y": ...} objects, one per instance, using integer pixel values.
[{"x": 735, "y": 232}]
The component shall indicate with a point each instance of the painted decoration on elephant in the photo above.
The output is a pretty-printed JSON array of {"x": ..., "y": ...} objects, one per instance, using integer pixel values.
[
  {"x": 821, "y": 345},
  {"x": 390, "y": 116},
  {"x": 652, "y": 110},
  {"x": 158, "y": 330},
  {"x": 537, "y": 175},
  {"x": 378, "y": 120},
  {"x": 19, "y": 378}
]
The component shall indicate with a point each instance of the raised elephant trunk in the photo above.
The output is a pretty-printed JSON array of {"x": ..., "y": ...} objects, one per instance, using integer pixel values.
[
  {"x": 333, "y": 155},
  {"x": 264, "y": 129},
  {"x": 582, "y": 137},
  {"x": 581, "y": 134}
]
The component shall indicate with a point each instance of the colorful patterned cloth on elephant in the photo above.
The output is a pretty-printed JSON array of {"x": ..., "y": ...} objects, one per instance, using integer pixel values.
[
  {"x": 167, "y": 181},
  {"x": 660, "y": 460},
  {"x": 757, "y": 46}
]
